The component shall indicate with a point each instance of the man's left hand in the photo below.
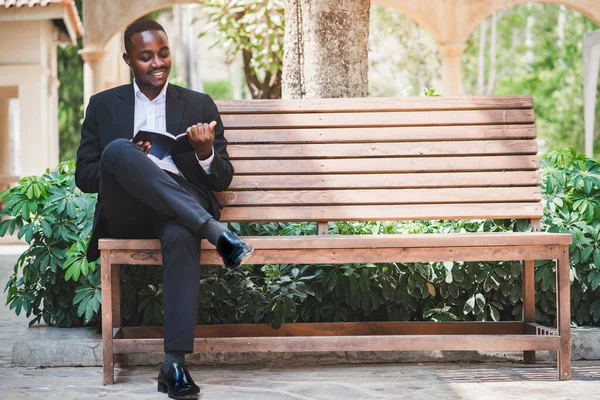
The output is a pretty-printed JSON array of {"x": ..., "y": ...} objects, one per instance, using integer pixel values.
[{"x": 202, "y": 137}]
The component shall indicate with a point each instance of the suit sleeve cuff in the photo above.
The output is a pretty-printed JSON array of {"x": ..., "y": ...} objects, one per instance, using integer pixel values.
[{"x": 206, "y": 164}]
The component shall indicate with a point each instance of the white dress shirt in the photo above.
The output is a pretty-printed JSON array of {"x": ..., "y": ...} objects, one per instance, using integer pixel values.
[{"x": 152, "y": 115}]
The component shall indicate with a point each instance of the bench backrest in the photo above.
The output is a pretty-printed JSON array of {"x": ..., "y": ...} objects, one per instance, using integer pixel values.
[{"x": 382, "y": 159}]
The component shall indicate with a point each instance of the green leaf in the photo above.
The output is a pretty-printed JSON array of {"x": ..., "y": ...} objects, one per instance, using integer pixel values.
[
  {"x": 480, "y": 300},
  {"x": 595, "y": 310},
  {"x": 586, "y": 252},
  {"x": 82, "y": 307},
  {"x": 494, "y": 313},
  {"x": 515, "y": 294},
  {"x": 596, "y": 257},
  {"x": 46, "y": 228},
  {"x": 515, "y": 269},
  {"x": 469, "y": 305}
]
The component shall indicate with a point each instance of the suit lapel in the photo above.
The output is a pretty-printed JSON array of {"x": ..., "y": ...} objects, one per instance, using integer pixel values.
[
  {"x": 125, "y": 108},
  {"x": 175, "y": 108}
]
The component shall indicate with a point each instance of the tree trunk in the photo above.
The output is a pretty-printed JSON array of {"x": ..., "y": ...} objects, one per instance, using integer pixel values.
[{"x": 326, "y": 48}]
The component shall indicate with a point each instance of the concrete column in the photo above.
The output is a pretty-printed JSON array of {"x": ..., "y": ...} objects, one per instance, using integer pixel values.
[
  {"x": 54, "y": 141},
  {"x": 114, "y": 70},
  {"x": 5, "y": 155},
  {"x": 35, "y": 152},
  {"x": 451, "y": 70},
  {"x": 591, "y": 67},
  {"x": 93, "y": 75}
]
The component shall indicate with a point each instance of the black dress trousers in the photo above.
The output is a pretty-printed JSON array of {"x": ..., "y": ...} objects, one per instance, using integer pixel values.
[{"x": 141, "y": 201}]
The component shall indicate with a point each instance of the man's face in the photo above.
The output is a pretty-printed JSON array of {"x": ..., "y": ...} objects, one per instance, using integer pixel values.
[{"x": 150, "y": 58}]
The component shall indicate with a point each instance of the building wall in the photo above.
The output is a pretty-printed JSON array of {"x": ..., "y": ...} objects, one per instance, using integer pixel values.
[{"x": 32, "y": 70}]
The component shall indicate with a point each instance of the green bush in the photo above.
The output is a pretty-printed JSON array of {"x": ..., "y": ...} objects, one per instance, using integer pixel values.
[
  {"x": 52, "y": 281},
  {"x": 219, "y": 90}
]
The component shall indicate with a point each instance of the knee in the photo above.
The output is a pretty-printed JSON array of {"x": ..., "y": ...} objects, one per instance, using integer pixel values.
[
  {"x": 113, "y": 152},
  {"x": 178, "y": 238}
]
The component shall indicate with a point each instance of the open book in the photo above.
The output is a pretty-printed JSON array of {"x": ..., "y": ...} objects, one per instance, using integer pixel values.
[{"x": 163, "y": 143}]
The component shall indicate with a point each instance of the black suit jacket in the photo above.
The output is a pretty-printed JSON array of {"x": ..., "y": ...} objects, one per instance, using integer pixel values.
[{"x": 110, "y": 115}]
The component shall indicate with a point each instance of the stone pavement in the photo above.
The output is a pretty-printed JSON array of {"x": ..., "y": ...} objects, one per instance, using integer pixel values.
[
  {"x": 335, "y": 382},
  {"x": 367, "y": 381}
]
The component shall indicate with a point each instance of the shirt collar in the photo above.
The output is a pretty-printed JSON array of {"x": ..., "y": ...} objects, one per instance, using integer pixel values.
[{"x": 139, "y": 95}]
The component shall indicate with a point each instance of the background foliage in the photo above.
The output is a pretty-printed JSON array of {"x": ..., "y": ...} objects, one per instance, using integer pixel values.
[
  {"x": 70, "y": 97},
  {"x": 53, "y": 282},
  {"x": 539, "y": 51},
  {"x": 255, "y": 29}
]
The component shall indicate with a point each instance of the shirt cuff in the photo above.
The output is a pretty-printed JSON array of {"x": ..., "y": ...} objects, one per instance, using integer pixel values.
[{"x": 206, "y": 164}]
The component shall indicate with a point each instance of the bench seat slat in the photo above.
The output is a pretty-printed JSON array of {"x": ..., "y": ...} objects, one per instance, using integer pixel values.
[
  {"x": 360, "y": 255},
  {"x": 482, "y": 239},
  {"x": 378, "y": 213},
  {"x": 383, "y": 104},
  {"x": 380, "y": 196},
  {"x": 375, "y": 181},
  {"x": 377, "y": 119},
  {"x": 393, "y": 134},
  {"x": 387, "y": 165},
  {"x": 350, "y": 343},
  {"x": 337, "y": 329},
  {"x": 405, "y": 149}
]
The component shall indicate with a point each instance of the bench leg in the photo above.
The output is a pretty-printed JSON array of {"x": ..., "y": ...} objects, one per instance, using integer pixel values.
[
  {"x": 116, "y": 295},
  {"x": 563, "y": 312},
  {"x": 116, "y": 305},
  {"x": 108, "y": 371},
  {"x": 528, "y": 303}
]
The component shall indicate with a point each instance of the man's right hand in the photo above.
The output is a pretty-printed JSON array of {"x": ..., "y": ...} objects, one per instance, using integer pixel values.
[{"x": 144, "y": 146}]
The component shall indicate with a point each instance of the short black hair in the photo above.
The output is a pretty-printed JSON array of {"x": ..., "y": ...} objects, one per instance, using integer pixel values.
[{"x": 141, "y": 25}]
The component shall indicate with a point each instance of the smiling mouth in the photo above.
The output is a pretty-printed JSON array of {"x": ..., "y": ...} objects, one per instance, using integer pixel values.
[{"x": 158, "y": 74}]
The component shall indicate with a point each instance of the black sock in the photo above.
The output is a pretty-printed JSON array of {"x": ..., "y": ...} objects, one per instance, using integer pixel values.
[
  {"x": 172, "y": 357},
  {"x": 211, "y": 230}
]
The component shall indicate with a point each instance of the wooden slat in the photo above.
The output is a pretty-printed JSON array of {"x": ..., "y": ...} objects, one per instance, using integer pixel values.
[
  {"x": 359, "y": 150},
  {"x": 350, "y": 343},
  {"x": 116, "y": 295},
  {"x": 378, "y": 213},
  {"x": 528, "y": 306},
  {"x": 431, "y": 240},
  {"x": 380, "y": 196},
  {"x": 378, "y": 119},
  {"x": 381, "y": 181},
  {"x": 387, "y": 165},
  {"x": 537, "y": 329},
  {"x": 106, "y": 271},
  {"x": 335, "y": 329},
  {"x": 343, "y": 256},
  {"x": 394, "y": 134},
  {"x": 375, "y": 104},
  {"x": 322, "y": 228},
  {"x": 563, "y": 312}
]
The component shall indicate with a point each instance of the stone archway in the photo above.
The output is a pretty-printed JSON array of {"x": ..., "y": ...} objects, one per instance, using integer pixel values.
[
  {"x": 102, "y": 46},
  {"x": 452, "y": 22}
]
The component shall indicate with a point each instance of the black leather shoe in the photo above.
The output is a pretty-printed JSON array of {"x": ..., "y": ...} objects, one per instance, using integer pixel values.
[
  {"x": 177, "y": 383},
  {"x": 233, "y": 250}
]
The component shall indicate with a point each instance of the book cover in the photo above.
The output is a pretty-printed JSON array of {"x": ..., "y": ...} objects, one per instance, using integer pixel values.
[{"x": 164, "y": 144}]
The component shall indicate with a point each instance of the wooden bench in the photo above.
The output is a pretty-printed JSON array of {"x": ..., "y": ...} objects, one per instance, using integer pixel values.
[{"x": 367, "y": 160}]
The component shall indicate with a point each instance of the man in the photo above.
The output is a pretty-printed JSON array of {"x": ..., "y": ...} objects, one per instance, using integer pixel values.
[{"x": 140, "y": 196}]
